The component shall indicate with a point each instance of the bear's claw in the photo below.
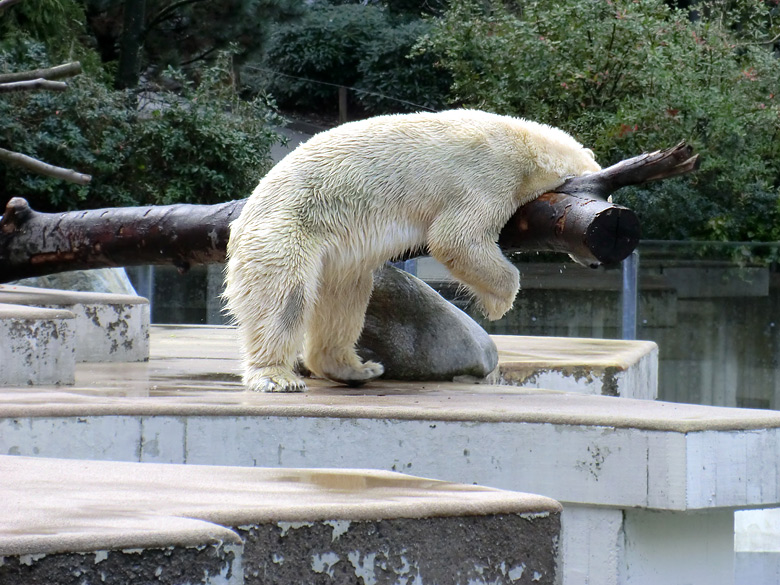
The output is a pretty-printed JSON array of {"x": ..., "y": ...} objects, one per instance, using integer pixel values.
[
  {"x": 274, "y": 379},
  {"x": 356, "y": 376}
]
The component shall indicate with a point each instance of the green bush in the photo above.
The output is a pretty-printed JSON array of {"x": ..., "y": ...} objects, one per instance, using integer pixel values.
[
  {"x": 353, "y": 45},
  {"x": 200, "y": 145},
  {"x": 389, "y": 67},
  {"x": 634, "y": 75}
]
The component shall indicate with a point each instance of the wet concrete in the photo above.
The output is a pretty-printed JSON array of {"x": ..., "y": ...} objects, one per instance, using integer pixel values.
[
  {"x": 194, "y": 370},
  {"x": 89, "y": 521}
]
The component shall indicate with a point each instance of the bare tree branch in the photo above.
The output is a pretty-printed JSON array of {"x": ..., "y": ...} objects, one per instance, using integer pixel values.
[
  {"x": 654, "y": 166},
  {"x": 33, "y": 85},
  {"x": 58, "y": 72},
  {"x": 42, "y": 168}
]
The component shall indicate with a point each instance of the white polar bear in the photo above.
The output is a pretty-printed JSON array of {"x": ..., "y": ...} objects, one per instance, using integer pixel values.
[{"x": 302, "y": 253}]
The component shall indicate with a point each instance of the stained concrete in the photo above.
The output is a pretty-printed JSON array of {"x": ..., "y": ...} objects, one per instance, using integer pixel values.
[
  {"x": 609, "y": 367},
  {"x": 107, "y": 327},
  {"x": 628, "y": 471},
  {"x": 36, "y": 346},
  {"x": 195, "y": 371},
  {"x": 86, "y": 521}
]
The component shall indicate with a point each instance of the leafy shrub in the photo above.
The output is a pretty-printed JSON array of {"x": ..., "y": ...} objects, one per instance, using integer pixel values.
[
  {"x": 325, "y": 45},
  {"x": 352, "y": 45},
  {"x": 389, "y": 67},
  {"x": 634, "y": 75},
  {"x": 201, "y": 145}
]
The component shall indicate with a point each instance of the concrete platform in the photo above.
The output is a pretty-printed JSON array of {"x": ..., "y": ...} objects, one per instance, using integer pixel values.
[
  {"x": 102, "y": 522},
  {"x": 107, "y": 328},
  {"x": 609, "y": 367},
  {"x": 649, "y": 488},
  {"x": 36, "y": 346}
]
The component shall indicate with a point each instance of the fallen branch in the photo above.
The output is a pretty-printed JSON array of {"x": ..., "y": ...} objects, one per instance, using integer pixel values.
[
  {"x": 42, "y": 168},
  {"x": 33, "y": 85},
  {"x": 58, "y": 72},
  {"x": 576, "y": 221}
]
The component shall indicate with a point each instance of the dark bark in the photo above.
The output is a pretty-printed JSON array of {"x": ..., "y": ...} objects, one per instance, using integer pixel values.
[
  {"x": 129, "y": 66},
  {"x": 34, "y": 243},
  {"x": 578, "y": 221},
  {"x": 574, "y": 220}
]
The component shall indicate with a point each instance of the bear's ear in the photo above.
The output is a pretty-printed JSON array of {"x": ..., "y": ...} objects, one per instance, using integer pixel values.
[{"x": 590, "y": 152}]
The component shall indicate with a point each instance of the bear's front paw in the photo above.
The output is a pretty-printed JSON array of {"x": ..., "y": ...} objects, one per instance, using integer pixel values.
[
  {"x": 273, "y": 379},
  {"x": 494, "y": 307},
  {"x": 355, "y": 376}
]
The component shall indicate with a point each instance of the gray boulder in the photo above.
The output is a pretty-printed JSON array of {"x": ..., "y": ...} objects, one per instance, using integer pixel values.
[
  {"x": 102, "y": 280},
  {"x": 418, "y": 335}
]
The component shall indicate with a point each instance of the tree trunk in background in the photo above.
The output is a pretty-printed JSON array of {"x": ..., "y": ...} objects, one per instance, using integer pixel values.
[{"x": 130, "y": 44}]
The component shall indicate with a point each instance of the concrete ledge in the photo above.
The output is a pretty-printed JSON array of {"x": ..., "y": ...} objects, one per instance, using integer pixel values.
[
  {"x": 628, "y": 369},
  {"x": 108, "y": 327},
  {"x": 36, "y": 346},
  {"x": 120, "y": 522},
  {"x": 630, "y": 473}
]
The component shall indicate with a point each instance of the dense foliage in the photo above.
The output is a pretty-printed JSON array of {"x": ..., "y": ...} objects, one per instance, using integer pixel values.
[
  {"x": 198, "y": 145},
  {"x": 357, "y": 46},
  {"x": 624, "y": 76},
  {"x": 632, "y": 75},
  {"x": 182, "y": 34}
]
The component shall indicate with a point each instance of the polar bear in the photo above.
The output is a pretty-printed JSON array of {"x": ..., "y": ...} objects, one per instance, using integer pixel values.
[{"x": 302, "y": 252}]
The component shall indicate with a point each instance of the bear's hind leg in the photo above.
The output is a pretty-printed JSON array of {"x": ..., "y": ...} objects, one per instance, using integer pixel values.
[
  {"x": 270, "y": 307},
  {"x": 335, "y": 326}
]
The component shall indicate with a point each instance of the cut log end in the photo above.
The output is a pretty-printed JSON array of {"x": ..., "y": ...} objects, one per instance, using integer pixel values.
[{"x": 613, "y": 235}]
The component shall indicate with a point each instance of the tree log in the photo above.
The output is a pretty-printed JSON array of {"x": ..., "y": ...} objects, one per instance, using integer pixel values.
[
  {"x": 576, "y": 219},
  {"x": 57, "y": 72},
  {"x": 573, "y": 220},
  {"x": 33, "y": 85}
]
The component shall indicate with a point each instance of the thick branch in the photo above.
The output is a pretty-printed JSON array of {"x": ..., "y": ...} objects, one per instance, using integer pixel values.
[
  {"x": 42, "y": 168},
  {"x": 33, "y": 243},
  {"x": 58, "y": 72},
  {"x": 577, "y": 222},
  {"x": 32, "y": 85},
  {"x": 654, "y": 166}
]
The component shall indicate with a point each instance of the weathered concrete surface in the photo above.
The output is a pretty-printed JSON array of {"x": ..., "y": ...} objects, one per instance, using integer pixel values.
[
  {"x": 626, "y": 470},
  {"x": 36, "y": 346},
  {"x": 87, "y": 521},
  {"x": 108, "y": 327},
  {"x": 628, "y": 369}
]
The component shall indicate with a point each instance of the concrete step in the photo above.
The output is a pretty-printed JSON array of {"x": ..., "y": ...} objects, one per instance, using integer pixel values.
[
  {"x": 609, "y": 367},
  {"x": 649, "y": 488},
  {"x": 129, "y": 523},
  {"x": 108, "y": 327},
  {"x": 36, "y": 346}
]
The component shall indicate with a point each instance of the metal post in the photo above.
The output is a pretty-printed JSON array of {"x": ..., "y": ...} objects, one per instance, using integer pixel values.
[
  {"x": 630, "y": 295},
  {"x": 343, "y": 114}
]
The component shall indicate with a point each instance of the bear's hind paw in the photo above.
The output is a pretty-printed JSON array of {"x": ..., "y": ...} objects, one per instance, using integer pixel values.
[
  {"x": 366, "y": 372},
  {"x": 273, "y": 379}
]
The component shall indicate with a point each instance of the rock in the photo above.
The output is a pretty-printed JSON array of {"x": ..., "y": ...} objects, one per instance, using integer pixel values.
[
  {"x": 417, "y": 335},
  {"x": 101, "y": 280}
]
